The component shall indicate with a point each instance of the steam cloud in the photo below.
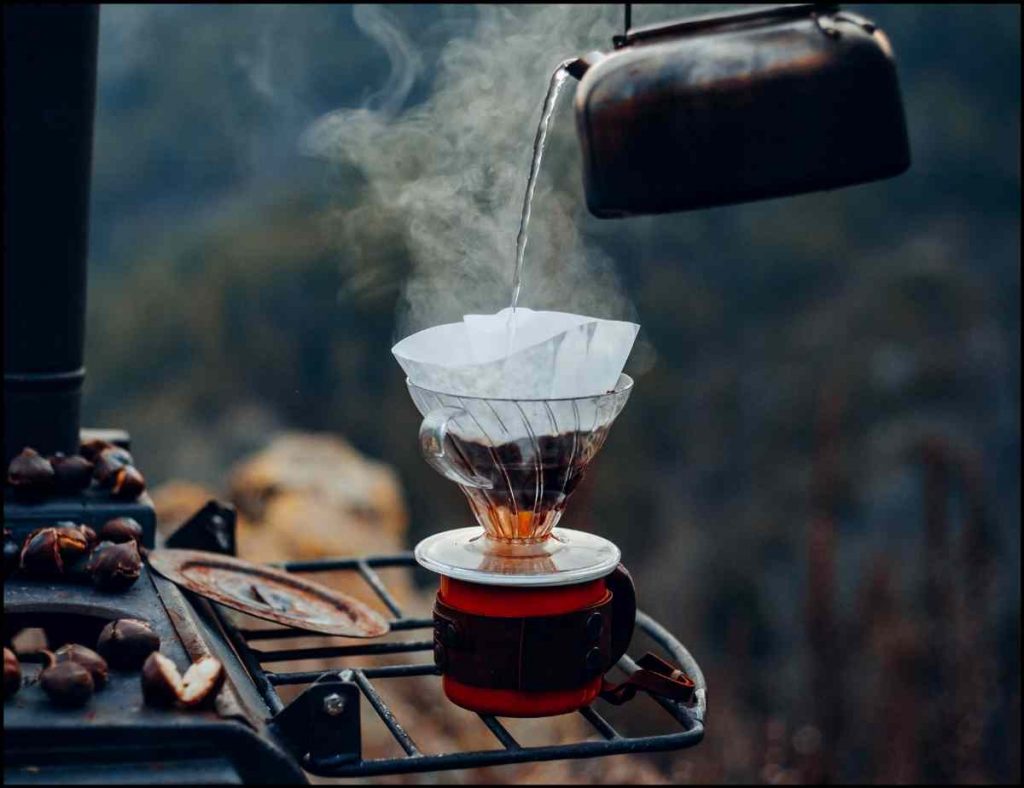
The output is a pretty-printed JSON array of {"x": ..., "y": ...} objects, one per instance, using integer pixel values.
[
  {"x": 448, "y": 175},
  {"x": 405, "y": 61}
]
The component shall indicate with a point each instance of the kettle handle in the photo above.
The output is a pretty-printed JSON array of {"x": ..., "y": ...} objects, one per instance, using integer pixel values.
[{"x": 696, "y": 24}]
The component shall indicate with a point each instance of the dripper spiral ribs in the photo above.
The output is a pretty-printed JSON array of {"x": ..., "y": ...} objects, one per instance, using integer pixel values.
[{"x": 516, "y": 460}]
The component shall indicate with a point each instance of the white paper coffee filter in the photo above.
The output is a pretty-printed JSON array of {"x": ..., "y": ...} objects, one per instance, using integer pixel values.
[
  {"x": 544, "y": 355},
  {"x": 492, "y": 337}
]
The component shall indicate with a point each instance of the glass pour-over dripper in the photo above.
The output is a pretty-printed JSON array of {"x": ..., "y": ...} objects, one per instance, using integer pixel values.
[{"x": 517, "y": 461}]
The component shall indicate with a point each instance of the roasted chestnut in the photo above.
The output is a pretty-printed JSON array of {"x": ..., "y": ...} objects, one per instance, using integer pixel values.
[
  {"x": 161, "y": 682},
  {"x": 71, "y": 474},
  {"x": 108, "y": 462},
  {"x": 67, "y": 683},
  {"x": 115, "y": 567},
  {"x": 30, "y": 474},
  {"x": 46, "y": 550},
  {"x": 87, "y": 658},
  {"x": 40, "y": 554},
  {"x": 118, "y": 453},
  {"x": 128, "y": 484},
  {"x": 12, "y": 673},
  {"x": 163, "y": 686},
  {"x": 121, "y": 529},
  {"x": 90, "y": 535},
  {"x": 12, "y": 553},
  {"x": 201, "y": 683},
  {"x": 91, "y": 449},
  {"x": 74, "y": 540},
  {"x": 126, "y": 642}
]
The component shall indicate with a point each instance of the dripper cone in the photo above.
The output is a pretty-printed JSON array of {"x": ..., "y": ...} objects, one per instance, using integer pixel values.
[{"x": 517, "y": 461}]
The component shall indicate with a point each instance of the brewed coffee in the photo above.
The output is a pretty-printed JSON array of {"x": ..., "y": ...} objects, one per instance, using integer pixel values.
[{"x": 530, "y": 480}]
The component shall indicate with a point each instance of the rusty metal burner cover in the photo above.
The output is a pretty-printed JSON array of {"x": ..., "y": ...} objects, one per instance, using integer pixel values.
[{"x": 268, "y": 593}]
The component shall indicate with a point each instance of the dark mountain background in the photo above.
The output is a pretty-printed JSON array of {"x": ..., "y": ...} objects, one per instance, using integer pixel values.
[{"x": 826, "y": 423}]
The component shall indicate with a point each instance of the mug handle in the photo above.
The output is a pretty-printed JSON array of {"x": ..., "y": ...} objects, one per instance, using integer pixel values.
[
  {"x": 620, "y": 583},
  {"x": 433, "y": 433}
]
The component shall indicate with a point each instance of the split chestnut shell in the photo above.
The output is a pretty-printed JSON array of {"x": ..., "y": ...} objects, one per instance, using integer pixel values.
[
  {"x": 163, "y": 686},
  {"x": 115, "y": 567},
  {"x": 46, "y": 550}
]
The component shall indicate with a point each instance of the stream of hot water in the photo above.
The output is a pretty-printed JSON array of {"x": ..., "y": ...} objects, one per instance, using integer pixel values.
[{"x": 550, "y": 100}]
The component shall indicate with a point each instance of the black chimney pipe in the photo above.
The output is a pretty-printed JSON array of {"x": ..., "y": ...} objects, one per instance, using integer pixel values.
[{"x": 49, "y": 97}]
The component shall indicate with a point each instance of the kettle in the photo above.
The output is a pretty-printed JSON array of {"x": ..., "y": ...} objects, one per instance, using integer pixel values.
[{"x": 735, "y": 107}]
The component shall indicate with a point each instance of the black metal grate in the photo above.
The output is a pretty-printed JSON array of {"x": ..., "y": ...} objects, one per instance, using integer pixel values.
[{"x": 687, "y": 721}]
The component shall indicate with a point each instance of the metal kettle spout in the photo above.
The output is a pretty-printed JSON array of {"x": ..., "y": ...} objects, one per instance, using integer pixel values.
[{"x": 582, "y": 65}]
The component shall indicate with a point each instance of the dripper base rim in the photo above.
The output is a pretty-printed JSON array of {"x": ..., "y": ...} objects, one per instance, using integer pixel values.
[{"x": 604, "y": 557}]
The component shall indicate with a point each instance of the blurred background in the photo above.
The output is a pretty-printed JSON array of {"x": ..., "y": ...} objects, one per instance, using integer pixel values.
[{"x": 816, "y": 481}]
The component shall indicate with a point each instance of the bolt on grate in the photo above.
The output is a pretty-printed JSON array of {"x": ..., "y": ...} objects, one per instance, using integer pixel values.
[{"x": 330, "y": 705}]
